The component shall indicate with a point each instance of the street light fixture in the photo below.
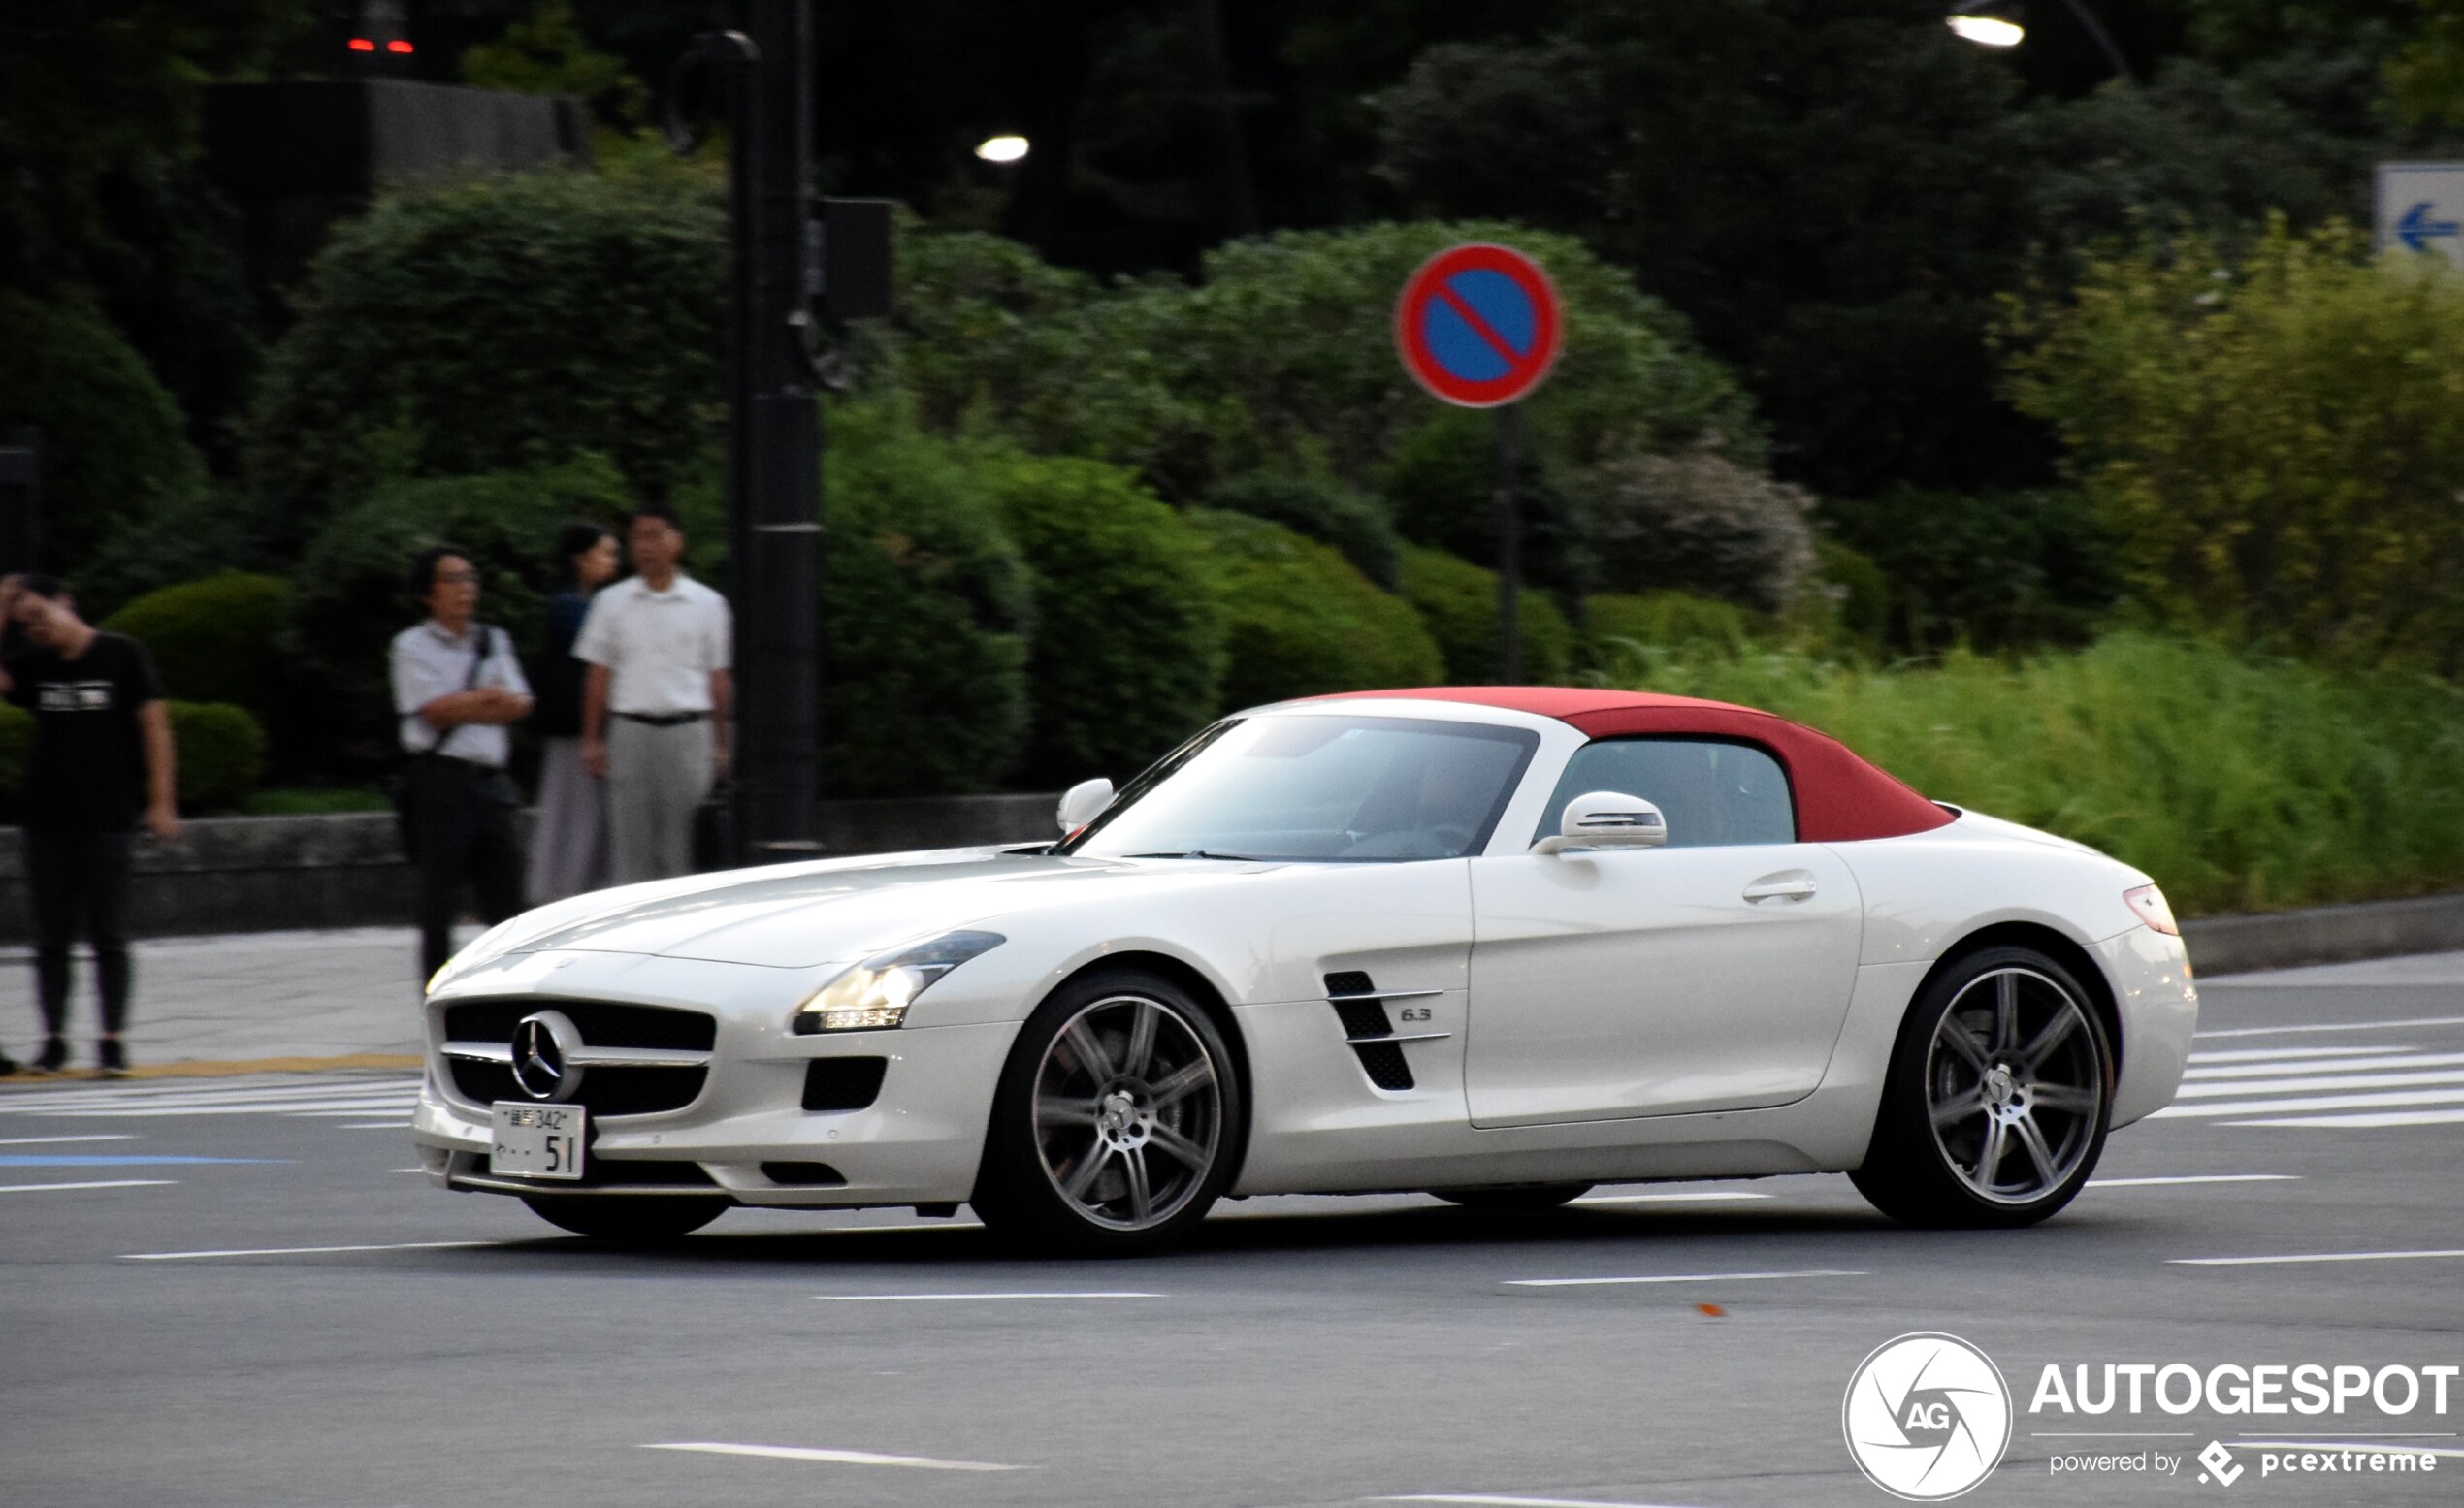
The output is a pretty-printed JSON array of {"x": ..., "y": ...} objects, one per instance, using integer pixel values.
[
  {"x": 1002, "y": 149},
  {"x": 1994, "y": 23},
  {"x": 1990, "y": 31}
]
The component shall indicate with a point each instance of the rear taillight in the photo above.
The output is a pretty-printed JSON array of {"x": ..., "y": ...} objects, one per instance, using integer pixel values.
[{"x": 2149, "y": 903}]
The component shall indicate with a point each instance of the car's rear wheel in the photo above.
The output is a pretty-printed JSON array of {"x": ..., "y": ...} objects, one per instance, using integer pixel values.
[
  {"x": 1522, "y": 1197},
  {"x": 1117, "y": 1120},
  {"x": 627, "y": 1219},
  {"x": 1996, "y": 1106}
]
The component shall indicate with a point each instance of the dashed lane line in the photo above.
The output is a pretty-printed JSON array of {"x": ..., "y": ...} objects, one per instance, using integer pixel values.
[
  {"x": 2308, "y": 1257},
  {"x": 1117, "y": 1293},
  {"x": 2196, "y": 1177},
  {"x": 840, "y": 1458},
  {"x": 99, "y": 1183},
  {"x": 117, "y": 1135},
  {"x": 1677, "y": 1277},
  {"x": 300, "y": 1251},
  {"x": 1496, "y": 1501}
]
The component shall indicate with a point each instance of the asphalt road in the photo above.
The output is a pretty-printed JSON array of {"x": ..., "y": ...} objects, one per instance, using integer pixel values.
[{"x": 171, "y": 1333}]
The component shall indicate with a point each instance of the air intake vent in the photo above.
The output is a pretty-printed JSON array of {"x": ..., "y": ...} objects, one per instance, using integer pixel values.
[
  {"x": 1382, "y": 1062},
  {"x": 1364, "y": 1018},
  {"x": 843, "y": 1083},
  {"x": 804, "y": 1175},
  {"x": 1351, "y": 981}
]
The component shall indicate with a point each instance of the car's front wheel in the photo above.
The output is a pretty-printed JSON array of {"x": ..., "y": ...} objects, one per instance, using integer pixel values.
[
  {"x": 1995, "y": 1109},
  {"x": 627, "y": 1219},
  {"x": 1117, "y": 1120}
]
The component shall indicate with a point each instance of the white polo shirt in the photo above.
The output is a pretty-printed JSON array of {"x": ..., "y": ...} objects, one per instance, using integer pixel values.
[
  {"x": 428, "y": 662},
  {"x": 658, "y": 647}
]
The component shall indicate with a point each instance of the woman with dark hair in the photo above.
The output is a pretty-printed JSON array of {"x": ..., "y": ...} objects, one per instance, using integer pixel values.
[{"x": 569, "y": 851}]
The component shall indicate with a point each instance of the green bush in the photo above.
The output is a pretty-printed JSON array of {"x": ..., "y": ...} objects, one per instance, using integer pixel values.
[
  {"x": 1325, "y": 510},
  {"x": 1458, "y": 603},
  {"x": 1440, "y": 485},
  {"x": 221, "y": 754},
  {"x": 500, "y": 324},
  {"x": 926, "y": 611},
  {"x": 353, "y": 595},
  {"x": 215, "y": 640},
  {"x": 2002, "y": 569},
  {"x": 1698, "y": 522},
  {"x": 113, "y": 446},
  {"x": 2240, "y": 784},
  {"x": 2274, "y": 445},
  {"x": 1304, "y": 623},
  {"x": 1618, "y": 626},
  {"x": 1129, "y": 649}
]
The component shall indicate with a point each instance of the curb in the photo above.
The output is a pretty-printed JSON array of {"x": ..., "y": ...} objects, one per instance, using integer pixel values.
[
  {"x": 2325, "y": 934},
  {"x": 207, "y": 1068}
]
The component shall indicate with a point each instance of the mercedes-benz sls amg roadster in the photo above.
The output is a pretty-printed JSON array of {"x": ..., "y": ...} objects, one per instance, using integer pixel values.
[{"x": 1497, "y": 945}]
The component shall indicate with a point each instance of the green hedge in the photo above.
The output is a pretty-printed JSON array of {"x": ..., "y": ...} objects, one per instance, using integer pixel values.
[
  {"x": 1129, "y": 649},
  {"x": 1326, "y": 511},
  {"x": 1458, "y": 601},
  {"x": 220, "y": 753},
  {"x": 1304, "y": 622},
  {"x": 215, "y": 640},
  {"x": 927, "y": 612}
]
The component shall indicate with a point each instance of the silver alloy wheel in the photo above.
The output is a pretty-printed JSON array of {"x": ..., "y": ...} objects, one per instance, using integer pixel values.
[
  {"x": 1128, "y": 1111},
  {"x": 2015, "y": 1085}
]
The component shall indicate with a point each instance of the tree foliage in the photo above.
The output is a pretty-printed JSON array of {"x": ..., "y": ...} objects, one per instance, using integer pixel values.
[{"x": 2275, "y": 443}]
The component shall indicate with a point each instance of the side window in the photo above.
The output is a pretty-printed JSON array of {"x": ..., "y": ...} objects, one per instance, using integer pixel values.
[{"x": 1712, "y": 792}]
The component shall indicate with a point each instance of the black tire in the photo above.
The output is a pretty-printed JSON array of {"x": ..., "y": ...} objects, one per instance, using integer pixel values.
[
  {"x": 2000, "y": 1064},
  {"x": 1078, "y": 1108},
  {"x": 632, "y": 1220},
  {"x": 1525, "y": 1197}
]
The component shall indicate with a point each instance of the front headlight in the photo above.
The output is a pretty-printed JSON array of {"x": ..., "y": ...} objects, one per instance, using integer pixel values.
[{"x": 875, "y": 994}]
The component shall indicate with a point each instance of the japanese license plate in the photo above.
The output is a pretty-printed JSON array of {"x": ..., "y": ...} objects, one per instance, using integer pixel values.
[{"x": 537, "y": 1141}]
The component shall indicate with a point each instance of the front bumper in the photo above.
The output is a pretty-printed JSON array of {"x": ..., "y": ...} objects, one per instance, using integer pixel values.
[
  {"x": 2159, "y": 1008},
  {"x": 917, "y": 1141}
]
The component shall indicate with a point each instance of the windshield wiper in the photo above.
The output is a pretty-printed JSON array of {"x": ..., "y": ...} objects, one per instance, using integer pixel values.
[{"x": 1244, "y": 858}]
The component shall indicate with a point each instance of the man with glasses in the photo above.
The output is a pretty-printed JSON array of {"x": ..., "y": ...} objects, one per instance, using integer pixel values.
[{"x": 457, "y": 687}]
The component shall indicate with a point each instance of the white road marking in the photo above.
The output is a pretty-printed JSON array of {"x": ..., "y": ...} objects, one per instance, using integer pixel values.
[
  {"x": 843, "y": 1458},
  {"x": 1704, "y": 1197},
  {"x": 2197, "y": 1177},
  {"x": 214, "y": 1092},
  {"x": 1119, "y": 1292},
  {"x": 298, "y": 1251},
  {"x": 2206, "y": 1091},
  {"x": 374, "y": 1125},
  {"x": 2327, "y": 1256},
  {"x": 356, "y": 1106},
  {"x": 1510, "y": 1502},
  {"x": 2344, "y": 1065},
  {"x": 2363, "y": 1121},
  {"x": 2336, "y": 1026},
  {"x": 105, "y": 1183},
  {"x": 1674, "y": 1277},
  {"x": 2347, "y": 1445},
  {"x": 120, "y": 1135},
  {"x": 2262, "y": 1054},
  {"x": 2321, "y": 1102}
]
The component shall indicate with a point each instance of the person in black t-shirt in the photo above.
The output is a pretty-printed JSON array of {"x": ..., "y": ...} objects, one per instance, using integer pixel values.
[{"x": 102, "y": 759}]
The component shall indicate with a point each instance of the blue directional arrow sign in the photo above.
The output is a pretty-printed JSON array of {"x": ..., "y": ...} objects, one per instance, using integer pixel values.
[{"x": 2416, "y": 230}]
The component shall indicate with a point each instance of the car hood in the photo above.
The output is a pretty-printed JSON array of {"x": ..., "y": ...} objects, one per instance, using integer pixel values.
[{"x": 798, "y": 916}]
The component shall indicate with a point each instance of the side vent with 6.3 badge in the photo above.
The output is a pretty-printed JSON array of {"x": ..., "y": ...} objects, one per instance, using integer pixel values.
[{"x": 1369, "y": 1030}]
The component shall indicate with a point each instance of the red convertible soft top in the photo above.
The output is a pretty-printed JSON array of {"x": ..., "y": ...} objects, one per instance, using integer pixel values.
[{"x": 1840, "y": 798}]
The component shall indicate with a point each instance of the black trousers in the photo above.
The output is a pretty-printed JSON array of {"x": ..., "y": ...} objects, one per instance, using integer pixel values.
[
  {"x": 79, "y": 883},
  {"x": 462, "y": 834}
]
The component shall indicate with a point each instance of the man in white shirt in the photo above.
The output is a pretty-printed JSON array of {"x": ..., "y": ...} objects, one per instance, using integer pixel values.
[
  {"x": 655, "y": 701},
  {"x": 457, "y": 687}
]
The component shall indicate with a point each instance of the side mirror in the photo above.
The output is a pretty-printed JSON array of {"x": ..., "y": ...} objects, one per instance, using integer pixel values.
[
  {"x": 1082, "y": 803},
  {"x": 1607, "y": 820}
]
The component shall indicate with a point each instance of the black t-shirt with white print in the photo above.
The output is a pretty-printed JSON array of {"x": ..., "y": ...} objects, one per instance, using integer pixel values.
[{"x": 87, "y": 773}]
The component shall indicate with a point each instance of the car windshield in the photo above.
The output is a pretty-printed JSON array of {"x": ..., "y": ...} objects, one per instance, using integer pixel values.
[{"x": 1325, "y": 787}]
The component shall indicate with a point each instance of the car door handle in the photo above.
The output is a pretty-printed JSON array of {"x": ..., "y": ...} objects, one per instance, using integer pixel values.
[{"x": 1776, "y": 889}]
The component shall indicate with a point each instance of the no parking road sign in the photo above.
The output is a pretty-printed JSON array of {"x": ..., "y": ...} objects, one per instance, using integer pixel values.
[{"x": 1479, "y": 325}]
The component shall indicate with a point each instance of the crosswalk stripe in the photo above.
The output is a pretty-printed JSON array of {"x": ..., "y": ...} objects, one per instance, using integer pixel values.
[
  {"x": 2211, "y": 1091},
  {"x": 256, "y": 1107},
  {"x": 43, "y": 1101},
  {"x": 2364, "y": 1120},
  {"x": 2261, "y": 1054},
  {"x": 2324, "y": 1102},
  {"x": 2394, "y": 1060}
]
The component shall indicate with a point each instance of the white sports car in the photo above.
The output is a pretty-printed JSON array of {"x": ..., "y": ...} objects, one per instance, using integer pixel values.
[{"x": 1499, "y": 945}]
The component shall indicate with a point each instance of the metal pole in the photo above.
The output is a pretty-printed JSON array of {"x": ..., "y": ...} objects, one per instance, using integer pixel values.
[
  {"x": 1509, "y": 547},
  {"x": 775, "y": 444},
  {"x": 2102, "y": 38}
]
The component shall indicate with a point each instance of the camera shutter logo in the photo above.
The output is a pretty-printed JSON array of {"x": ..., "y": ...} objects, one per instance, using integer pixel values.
[{"x": 1927, "y": 1417}]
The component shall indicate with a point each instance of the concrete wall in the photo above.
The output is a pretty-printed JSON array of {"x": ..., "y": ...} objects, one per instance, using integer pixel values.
[{"x": 259, "y": 874}]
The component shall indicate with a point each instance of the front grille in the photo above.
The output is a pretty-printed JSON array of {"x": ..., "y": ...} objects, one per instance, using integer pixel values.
[
  {"x": 843, "y": 1083},
  {"x": 1383, "y": 1063},
  {"x": 603, "y": 1023},
  {"x": 610, "y": 1090},
  {"x": 811, "y": 1176}
]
